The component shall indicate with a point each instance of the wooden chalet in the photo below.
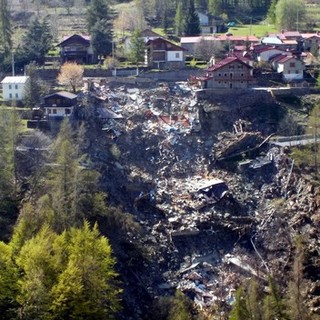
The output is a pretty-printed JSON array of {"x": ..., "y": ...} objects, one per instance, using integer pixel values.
[{"x": 76, "y": 48}]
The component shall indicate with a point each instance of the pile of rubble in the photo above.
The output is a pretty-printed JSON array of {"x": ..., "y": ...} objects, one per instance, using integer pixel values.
[{"x": 195, "y": 212}]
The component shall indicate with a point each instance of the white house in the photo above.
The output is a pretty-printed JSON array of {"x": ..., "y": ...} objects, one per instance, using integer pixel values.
[
  {"x": 161, "y": 53},
  {"x": 266, "y": 53},
  {"x": 290, "y": 67},
  {"x": 13, "y": 87},
  {"x": 210, "y": 24}
]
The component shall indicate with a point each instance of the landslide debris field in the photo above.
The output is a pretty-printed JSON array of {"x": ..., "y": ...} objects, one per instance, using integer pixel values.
[{"x": 210, "y": 200}]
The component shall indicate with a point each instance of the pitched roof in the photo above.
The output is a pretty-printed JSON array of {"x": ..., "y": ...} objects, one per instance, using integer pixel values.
[
  {"x": 169, "y": 46},
  {"x": 150, "y": 33},
  {"x": 86, "y": 38},
  {"x": 266, "y": 48},
  {"x": 219, "y": 37},
  {"x": 286, "y": 59},
  {"x": 310, "y": 35},
  {"x": 15, "y": 79},
  {"x": 63, "y": 94},
  {"x": 282, "y": 58},
  {"x": 291, "y": 34},
  {"x": 271, "y": 40},
  {"x": 227, "y": 61}
]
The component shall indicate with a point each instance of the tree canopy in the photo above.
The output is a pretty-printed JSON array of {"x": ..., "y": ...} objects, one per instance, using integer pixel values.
[
  {"x": 36, "y": 43},
  {"x": 59, "y": 276},
  {"x": 289, "y": 13}
]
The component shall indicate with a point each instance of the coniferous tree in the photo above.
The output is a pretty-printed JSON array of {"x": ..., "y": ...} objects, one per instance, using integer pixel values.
[
  {"x": 296, "y": 296},
  {"x": 178, "y": 20},
  {"x": 101, "y": 36},
  {"x": 192, "y": 22},
  {"x": 86, "y": 287},
  {"x": 239, "y": 309},
  {"x": 10, "y": 126},
  {"x": 35, "y": 44},
  {"x": 100, "y": 26},
  {"x": 8, "y": 283},
  {"x": 59, "y": 276},
  {"x": 137, "y": 47},
  {"x": 180, "y": 307},
  {"x": 34, "y": 88},
  {"x": 253, "y": 301},
  {"x": 5, "y": 27},
  {"x": 273, "y": 304}
]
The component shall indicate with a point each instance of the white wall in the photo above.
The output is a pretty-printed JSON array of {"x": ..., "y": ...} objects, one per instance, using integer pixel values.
[
  {"x": 174, "y": 55},
  {"x": 13, "y": 91},
  {"x": 59, "y": 112}
]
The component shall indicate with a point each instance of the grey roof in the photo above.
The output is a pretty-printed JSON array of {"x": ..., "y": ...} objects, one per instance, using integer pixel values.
[{"x": 64, "y": 94}]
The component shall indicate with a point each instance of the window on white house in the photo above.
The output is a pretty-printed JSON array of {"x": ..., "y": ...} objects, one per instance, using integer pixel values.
[
  {"x": 17, "y": 95},
  {"x": 54, "y": 111},
  {"x": 177, "y": 55},
  {"x": 10, "y": 86},
  {"x": 297, "y": 71},
  {"x": 292, "y": 64},
  {"x": 10, "y": 95},
  {"x": 16, "y": 86}
]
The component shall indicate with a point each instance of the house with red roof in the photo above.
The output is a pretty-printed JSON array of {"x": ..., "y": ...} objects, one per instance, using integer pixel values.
[
  {"x": 264, "y": 53},
  {"x": 77, "y": 48},
  {"x": 163, "y": 54},
  {"x": 311, "y": 42},
  {"x": 229, "y": 73},
  {"x": 291, "y": 67}
]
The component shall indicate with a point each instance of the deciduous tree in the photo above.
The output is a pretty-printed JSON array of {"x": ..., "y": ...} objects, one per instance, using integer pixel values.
[
  {"x": 289, "y": 14},
  {"x": 71, "y": 75}
]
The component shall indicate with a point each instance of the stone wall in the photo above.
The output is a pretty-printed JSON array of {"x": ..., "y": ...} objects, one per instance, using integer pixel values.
[{"x": 171, "y": 76}]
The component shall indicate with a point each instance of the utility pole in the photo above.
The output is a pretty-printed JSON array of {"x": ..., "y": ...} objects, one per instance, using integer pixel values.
[
  {"x": 297, "y": 19},
  {"x": 13, "y": 63}
]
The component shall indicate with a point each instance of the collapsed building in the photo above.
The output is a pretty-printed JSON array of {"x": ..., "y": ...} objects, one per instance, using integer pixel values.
[{"x": 210, "y": 204}]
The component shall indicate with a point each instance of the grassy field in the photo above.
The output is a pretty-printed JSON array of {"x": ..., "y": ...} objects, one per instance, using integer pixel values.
[{"x": 259, "y": 30}]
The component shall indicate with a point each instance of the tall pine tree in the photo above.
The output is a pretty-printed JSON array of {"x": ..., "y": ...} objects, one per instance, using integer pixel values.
[
  {"x": 100, "y": 26},
  {"x": 192, "y": 22},
  {"x": 5, "y": 27}
]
